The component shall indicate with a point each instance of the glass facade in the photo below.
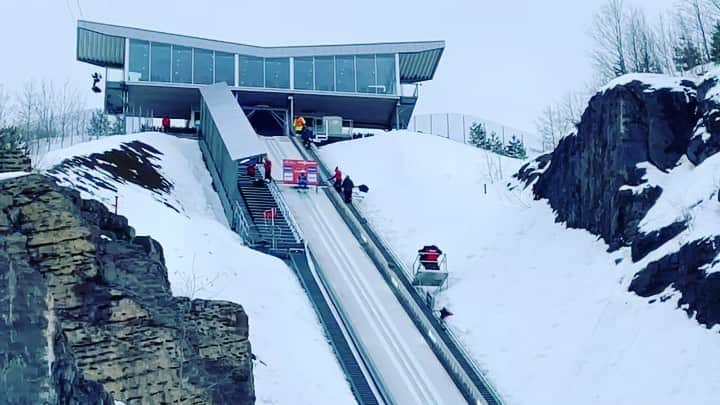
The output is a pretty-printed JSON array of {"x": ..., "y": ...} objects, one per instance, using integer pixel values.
[
  {"x": 386, "y": 74},
  {"x": 202, "y": 66},
  {"x": 366, "y": 75},
  {"x": 304, "y": 71},
  {"x": 182, "y": 64},
  {"x": 252, "y": 71},
  {"x": 277, "y": 73},
  {"x": 139, "y": 65},
  {"x": 345, "y": 73},
  {"x": 325, "y": 73},
  {"x": 159, "y": 62},
  {"x": 225, "y": 68}
]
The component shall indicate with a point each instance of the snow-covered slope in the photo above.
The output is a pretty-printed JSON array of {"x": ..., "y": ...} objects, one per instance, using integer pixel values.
[
  {"x": 544, "y": 309},
  {"x": 207, "y": 260}
]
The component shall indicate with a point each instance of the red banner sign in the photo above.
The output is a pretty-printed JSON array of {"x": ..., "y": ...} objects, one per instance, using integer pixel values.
[{"x": 293, "y": 167}]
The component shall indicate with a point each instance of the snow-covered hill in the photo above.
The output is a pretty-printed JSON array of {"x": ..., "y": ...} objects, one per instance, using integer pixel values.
[
  {"x": 544, "y": 309},
  {"x": 207, "y": 260}
]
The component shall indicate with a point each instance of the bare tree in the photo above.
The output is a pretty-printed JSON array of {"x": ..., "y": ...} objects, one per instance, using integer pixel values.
[
  {"x": 27, "y": 101},
  {"x": 5, "y": 108},
  {"x": 666, "y": 42},
  {"x": 549, "y": 127},
  {"x": 641, "y": 43},
  {"x": 69, "y": 106},
  {"x": 571, "y": 109},
  {"x": 696, "y": 16},
  {"x": 607, "y": 31}
]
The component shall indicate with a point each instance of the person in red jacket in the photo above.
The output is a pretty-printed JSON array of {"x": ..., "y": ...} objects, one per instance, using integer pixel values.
[
  {"x": 251, "y": 169},
  {"x": 166, "y": 123},
  {"x": 268, "y": 169},
  {"x": 337, "y": 179}
]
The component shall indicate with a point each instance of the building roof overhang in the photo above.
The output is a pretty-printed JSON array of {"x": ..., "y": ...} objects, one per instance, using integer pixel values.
[{"x": 103, "y": 45}]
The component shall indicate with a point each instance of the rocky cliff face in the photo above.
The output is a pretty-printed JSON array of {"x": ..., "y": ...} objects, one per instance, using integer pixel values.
[
  {"x": 596, "y": 180},
  {"x": 14, "y": 161},
  {"x": 88, "y": 307}
]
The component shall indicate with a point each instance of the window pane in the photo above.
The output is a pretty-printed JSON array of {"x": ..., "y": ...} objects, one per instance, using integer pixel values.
[
  {"x": 324, "y": 73},
  {"x": 304, "y": 73},
  {"x": 366, "y": 81},
  {"x": 345, "y": 73},
  {"x": 225, "y": 68},
  {"x": 277, "y": 73},
  {"x": 139, "y": 61},
  {"x": 251, "y": 71},
  {"x": 160, "y": 62},
  {"x": 203, "y": 72},
  {"x": 182, "y": 64},
  {"x": 386, "y": 73}
]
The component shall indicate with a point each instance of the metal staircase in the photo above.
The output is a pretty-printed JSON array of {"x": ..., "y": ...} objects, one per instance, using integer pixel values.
[{"x": 276, "y": 235}]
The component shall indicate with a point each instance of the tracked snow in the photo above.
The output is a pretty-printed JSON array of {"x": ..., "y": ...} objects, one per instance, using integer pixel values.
[
  {"x": 207, "y": 260},
  {"x": 544, "y": 309}
]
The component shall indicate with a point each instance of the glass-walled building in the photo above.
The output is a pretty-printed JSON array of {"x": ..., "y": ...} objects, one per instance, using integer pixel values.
[
  {"x": 167, "y": 63},
  {"x": 161, "y": 73}
]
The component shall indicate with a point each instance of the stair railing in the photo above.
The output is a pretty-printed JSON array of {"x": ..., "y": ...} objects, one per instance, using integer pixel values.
[{"x": 282, "y": 206}]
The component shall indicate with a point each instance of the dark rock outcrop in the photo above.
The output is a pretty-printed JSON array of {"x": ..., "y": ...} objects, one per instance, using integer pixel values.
[
  {"x": 620, "y": 128},
  {"x": 706, "y": 142},
  {"x": 113, "y": 307},
  {"x": 593, "y": 181},
  {"x": 683, "y": 271}
]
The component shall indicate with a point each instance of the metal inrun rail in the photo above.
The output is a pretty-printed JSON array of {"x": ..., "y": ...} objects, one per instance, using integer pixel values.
[
  {"x": 348, "y": 352},
  {"x": 459, "y": 364}
]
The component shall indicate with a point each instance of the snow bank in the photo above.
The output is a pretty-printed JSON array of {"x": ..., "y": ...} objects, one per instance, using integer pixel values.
[
  {"x": 654, "y": 81},
  {"x": 544, "y": 309},
  {"x": 11, "y": 175},
  {"x": 207, "y": 260}
]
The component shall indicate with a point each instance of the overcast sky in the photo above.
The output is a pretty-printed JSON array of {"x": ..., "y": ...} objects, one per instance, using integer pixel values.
[{"x": 504, "y": 60}]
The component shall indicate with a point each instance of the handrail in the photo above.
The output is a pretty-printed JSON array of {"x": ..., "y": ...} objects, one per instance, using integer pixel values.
[
  {"x": 419, "y": 313},
  {"x": 246, "y": 228},
  {"x": 282, "y": 205}
]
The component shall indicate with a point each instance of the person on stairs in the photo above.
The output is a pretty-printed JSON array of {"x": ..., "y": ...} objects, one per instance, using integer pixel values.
[
  {"x": 268, "y": 169},
  {"x": 347, "y": 188},
  {"x": 251, "y": 170}
]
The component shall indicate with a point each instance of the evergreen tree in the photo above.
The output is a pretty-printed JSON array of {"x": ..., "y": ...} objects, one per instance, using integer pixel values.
[
  {"x": 687, "y": 55},
  {"x": 715, "y": 46},
  {"x": 495, "y": 144},
  {"x": 478, "y": 135},
  {"x": 118, "y": 126},
  {"x": 99, "y": 124},
  {"x": 515, "y": 148},
  {"x": 10, "y": 139}
]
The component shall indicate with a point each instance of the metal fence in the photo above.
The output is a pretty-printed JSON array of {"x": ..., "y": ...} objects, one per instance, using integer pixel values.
[{"x": 457, "y": 126}]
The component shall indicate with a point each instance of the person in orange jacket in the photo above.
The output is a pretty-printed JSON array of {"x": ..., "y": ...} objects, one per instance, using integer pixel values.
[
  {"x": 166, "y": 123},
  {"x": 299, "y": 124}
]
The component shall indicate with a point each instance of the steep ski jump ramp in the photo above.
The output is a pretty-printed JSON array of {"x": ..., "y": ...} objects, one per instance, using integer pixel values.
[{"x": 404, "y": 365}]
